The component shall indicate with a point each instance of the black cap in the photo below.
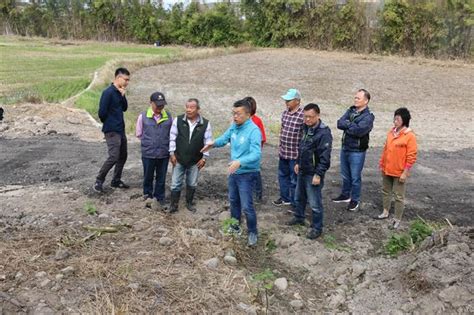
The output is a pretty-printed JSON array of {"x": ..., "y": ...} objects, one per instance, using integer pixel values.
[{"x": 158, "y": 98}]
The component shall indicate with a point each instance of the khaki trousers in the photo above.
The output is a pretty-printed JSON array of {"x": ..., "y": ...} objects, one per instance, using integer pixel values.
[{"x": 392, "y": 186}]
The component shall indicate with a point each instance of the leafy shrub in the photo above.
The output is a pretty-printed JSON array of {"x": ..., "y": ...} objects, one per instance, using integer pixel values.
[{"x": 398, "y": 243}]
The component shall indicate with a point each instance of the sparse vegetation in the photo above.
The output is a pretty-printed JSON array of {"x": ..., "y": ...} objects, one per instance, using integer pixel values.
[
  {"x": 227, "y": 224},
  {"x": 90, "y": 208},
  {"x": 400, "y": 242},
  {"x": 264, "y": 283},
  {"x": 330, "y": 242}
]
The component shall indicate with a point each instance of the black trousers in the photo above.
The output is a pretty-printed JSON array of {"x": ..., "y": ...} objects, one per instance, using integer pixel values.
[{"x": 117, "y": 147}]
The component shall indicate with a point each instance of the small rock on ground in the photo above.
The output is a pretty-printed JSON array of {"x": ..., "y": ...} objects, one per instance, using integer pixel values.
[{"x": 281, "y": 284}]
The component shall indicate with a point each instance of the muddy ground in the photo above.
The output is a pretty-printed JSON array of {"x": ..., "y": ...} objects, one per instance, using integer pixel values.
[{"x": 154, "y": 263}]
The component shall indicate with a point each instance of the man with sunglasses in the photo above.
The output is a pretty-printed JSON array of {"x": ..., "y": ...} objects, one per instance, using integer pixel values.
[
  {"x": 111, "y": 107},
  {"x": 153, "y": 130}
]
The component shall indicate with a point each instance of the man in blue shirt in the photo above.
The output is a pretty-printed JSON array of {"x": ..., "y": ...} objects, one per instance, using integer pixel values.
[
  {"x": 111, "y": 107},
  {"x": 245, "y": 152}
]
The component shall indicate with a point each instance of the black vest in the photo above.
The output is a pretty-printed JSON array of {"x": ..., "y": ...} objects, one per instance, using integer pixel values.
[{"x": 188, "y": 150}]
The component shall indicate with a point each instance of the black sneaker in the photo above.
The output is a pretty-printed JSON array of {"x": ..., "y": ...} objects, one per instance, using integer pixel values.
[
  {"x": 295, "y": 221},
  {"x": 353, "y": 205},
  {"x": 341, "y": 198},
  {"x": 119, "y": 184},
  {"x": 98, "y": 187},
  {"x": 313, "y": 234},
  {"x": 280, "y": 202}
]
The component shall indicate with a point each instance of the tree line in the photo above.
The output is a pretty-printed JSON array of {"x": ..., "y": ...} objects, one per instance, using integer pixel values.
[{"x": 434, "y": 28}]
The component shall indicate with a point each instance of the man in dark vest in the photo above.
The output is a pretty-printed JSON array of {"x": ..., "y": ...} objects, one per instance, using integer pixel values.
[
  {"x": 153, "y": 129},
  {"x": 189, "y": 133},
  {"x": 111, "y": 107}
]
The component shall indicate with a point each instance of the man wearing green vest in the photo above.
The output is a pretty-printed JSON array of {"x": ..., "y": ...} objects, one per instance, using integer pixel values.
[{"x": 188, "y": 135}]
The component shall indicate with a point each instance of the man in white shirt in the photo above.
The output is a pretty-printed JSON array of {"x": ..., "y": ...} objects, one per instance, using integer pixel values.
[{"x": 189, "y": 133}]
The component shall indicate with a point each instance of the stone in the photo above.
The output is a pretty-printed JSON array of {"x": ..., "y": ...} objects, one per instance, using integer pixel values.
[
  {"x": 358, "y": 270},
  {"x": 134, "y": 286},
  {"x": 68, "y": 270},
  {"x": 341, "y": 279},
  {"x": 18, "y": 275},
  {"x": 287, "y": 240},
  {"x": 230, "y": 260},
  {"x": 166, "y": 241},
  {"x": 248, "y": 309},
  {"x": 212, "y": 263},
  {"x": 297, "y": 304},
  {"x": 337, "y": 299},
  {"x": 3, "y": 277},
  {"x": 41, "y": 274},
  {"x": 56, "y": 288},
  {"x": 281, "y": 284},
  {"x": 45, "y": 283},
  {"x": 196, "y": 232},
  {"x": 103, "y": 216},
  {"x": 62, "y": 254},
  {"x": 59, "y": 277},
  {"x": 230, "y": 252}
]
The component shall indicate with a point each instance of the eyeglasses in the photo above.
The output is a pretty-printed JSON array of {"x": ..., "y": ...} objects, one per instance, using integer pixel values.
[{"x": 237, "y": 114}]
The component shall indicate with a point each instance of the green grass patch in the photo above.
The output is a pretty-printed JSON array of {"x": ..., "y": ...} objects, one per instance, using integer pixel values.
[
  {"x": 401, "y": 242},
  {"x": 90, "y": 208},
  {"x": 52, "y": 71},
  {"x": 330, "y": 242},
  {"x": 88, "y": 101}
]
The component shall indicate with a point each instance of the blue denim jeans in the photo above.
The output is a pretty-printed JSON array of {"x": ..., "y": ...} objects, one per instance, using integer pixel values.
[
  {"x": 177, "y": 178},
  {"x": 352, "y": 164},
  {"x": 287, "y": 180},
  {"x": 154, "y": 168},
  {"x": 258, "y": 187},
  {"x": 306, "y": 192},
  {"x": 241, "y": 200}
]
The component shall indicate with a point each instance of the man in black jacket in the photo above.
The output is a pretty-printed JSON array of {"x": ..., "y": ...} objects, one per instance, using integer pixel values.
[
  {"x": 356, "y": 124},
  {"x": 314, "y": 159},
  {"x": 111, "y": 107}
]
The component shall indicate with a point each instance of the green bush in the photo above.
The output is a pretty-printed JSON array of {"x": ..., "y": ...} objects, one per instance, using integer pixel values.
[
  {"x": 431, "y": 27},
  {"x": 397, "y": 243}
]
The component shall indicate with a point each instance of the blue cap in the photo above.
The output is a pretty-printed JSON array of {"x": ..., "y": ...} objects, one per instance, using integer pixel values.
[{"x": 291, "y": 95}]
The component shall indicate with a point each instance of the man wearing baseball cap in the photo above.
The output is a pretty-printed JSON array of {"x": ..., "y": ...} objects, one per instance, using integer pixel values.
[
  {"x": 153, "y": 130},
  {"x": 290, "y": 136}
]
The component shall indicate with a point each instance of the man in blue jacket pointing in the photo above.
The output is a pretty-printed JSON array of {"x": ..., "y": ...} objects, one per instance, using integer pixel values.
[{"x": 245, "y": 152}]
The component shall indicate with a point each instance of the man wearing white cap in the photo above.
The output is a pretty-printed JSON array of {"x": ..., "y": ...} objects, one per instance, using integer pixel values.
[{"x": 290, "y": 136}]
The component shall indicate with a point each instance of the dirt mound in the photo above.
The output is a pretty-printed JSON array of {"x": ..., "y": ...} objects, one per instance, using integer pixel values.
[{"x": 30, "y": 120}]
